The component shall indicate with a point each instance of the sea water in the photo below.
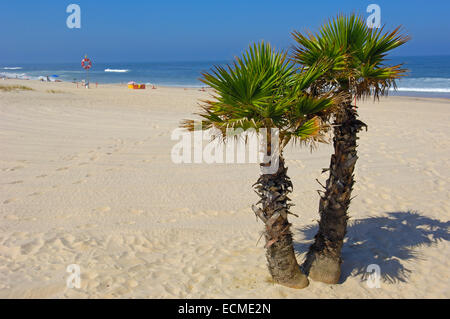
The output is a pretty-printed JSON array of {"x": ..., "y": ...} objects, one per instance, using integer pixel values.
[{"x": 427, "y": 76}]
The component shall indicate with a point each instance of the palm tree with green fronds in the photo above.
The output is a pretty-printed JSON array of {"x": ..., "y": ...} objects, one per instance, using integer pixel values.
[
  {"x": 262, "y": 90},
  {"x": 356, "y": 56}
]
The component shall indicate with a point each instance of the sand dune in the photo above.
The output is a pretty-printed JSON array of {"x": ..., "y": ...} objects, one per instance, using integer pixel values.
[{"x": 86, "y": 178}]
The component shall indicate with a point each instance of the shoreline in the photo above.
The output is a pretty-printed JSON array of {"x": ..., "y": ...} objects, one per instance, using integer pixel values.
[{"x": 400, "y": 94}]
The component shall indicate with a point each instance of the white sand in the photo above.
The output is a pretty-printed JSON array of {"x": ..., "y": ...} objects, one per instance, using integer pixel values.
[{"x": 86, "y": 178}]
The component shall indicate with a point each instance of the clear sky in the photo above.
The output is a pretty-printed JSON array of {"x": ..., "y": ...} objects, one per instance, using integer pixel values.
[{"x": 188, "y": 30}]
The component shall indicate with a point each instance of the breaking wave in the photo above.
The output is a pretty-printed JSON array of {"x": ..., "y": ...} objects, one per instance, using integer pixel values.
[{"x": 117, "y": 70}]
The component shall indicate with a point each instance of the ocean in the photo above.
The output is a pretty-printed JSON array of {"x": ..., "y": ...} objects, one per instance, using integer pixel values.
[{"x": 427, "y": 76}]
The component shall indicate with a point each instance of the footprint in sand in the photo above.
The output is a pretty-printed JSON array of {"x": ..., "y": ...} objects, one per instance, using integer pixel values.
[
  {"x": 103, "y": 209},
  {"x": 130, "y": 222},
  {"x": 371, "y": 186},
  {"x": 41, "y": 176},
  {"x": 299, "y": 163},
  {"x": 440, "y": 185},
  {"x": 82, "y": 181},
  {"x": 172, "y": 220},
  {"x": 87, "y": 226},
  {"x": 385, "y": 196},
  {"x": 10, "y": 200},
  {"x": 83, "y": 163},
  {"x": 137, "y": 211},
  {"x": 16, "y": 182},
  {"x": 70, "y": 157},
  {"x": 132, "y": 283},
  {"x": 184, "y": 210},
  {"x": 11, "y": 217},
  {"x": 31, "y": 247},
  {"x": 12, "y": 169},
  {"x": 62, "y": 169},
  {"x": 36, "y": 194},
  {"x": 94, "y": 158}
]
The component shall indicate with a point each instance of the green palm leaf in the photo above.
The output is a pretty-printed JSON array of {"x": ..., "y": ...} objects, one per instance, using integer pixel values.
[
  {"x": 262, "y": 89},
  {"x": 355, "y": 55}
]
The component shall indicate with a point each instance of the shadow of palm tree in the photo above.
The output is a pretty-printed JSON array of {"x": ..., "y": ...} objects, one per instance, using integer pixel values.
[{"x": 388, "y": 241}]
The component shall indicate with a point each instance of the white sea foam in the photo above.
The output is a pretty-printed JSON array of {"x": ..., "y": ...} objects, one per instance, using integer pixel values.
[
  {"x": 117, "y": 70},
  {"x": 12, "y": 68},
  {"x": 10, "y": 75},
  {"x": 424, "y": 84},
  {"x": 430, "y": 90}
]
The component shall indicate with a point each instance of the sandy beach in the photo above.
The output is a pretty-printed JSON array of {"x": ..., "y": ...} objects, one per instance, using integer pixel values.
[{"x": 86, "y": 178}]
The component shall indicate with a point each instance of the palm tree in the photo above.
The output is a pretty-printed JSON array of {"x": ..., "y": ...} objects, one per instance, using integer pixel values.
[
  {"x": 262, "y": 90},
  {"x": 356, "y": 55}
]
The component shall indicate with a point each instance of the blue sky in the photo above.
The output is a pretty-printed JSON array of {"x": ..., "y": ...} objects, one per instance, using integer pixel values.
[{"x": 173, "y": 30}]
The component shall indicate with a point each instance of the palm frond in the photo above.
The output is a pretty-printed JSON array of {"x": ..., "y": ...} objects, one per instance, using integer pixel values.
[
  {"x": 355, "y": 55},
  {"x": 262, "y": 89}
]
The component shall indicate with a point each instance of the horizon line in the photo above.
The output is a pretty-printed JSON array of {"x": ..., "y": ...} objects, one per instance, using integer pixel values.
[{"x": 204, "y": 60}]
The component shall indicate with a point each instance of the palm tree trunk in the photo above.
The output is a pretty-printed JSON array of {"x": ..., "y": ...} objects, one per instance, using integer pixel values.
[
  {"x": 323, "y": 260},
  {"x": 273, "y": 190}
]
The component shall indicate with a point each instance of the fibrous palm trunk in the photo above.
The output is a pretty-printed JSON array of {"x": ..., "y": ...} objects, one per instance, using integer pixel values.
[
  {"x": 273, "y": 189},
  {"x": 323, "y": 260}
]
